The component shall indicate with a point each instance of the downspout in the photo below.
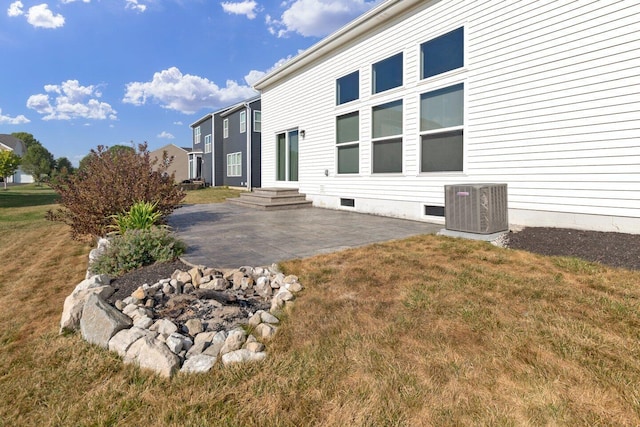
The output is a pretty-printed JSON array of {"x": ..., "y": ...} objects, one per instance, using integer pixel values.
[{"x": 249, "y": 130}]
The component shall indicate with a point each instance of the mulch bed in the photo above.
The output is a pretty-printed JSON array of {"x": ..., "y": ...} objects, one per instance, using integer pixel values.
[{"x": 612, "y": 249}]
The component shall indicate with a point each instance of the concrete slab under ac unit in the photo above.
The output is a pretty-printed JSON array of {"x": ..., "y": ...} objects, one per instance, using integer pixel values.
[{"x": 473, "y": 236}]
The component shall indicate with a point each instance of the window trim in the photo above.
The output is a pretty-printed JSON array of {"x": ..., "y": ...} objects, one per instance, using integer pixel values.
[
  {"x": 243, "y": 121},
  {"x": 234, "y": 164},
  {"x": 373, "y": 73},
  {"x": 197, "y": 135},
  {"x": 207, "y": 143},
  {"x": 337, "y": 94},
  {"x": 225, "y": 128},
  {"x": 448, "y": 72},
  {"x": 257, "y": 123},
  {"x": 347, "y": 144},
  {"x": 388, "y": 138}
]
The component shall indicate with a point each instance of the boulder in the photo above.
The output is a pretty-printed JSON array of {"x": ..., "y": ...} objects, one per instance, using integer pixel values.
[
  {"x": 194, "y": 326},
  {"x": 234, "y": 341},
  {"x": 196, "y": 276},
  {"x": 101, "y": 321},
  {"x": 122, "y": 340},
  {"x": 198, "y": 364},
  {"x": 74, "y": 304},
  {"x": 164, "y": 326},
  {"x": 151, "y": 354},
  {"x": 265, "y": 331},
  {"x": 216, "y": 344},
  {"x": 217, "y": 284},
  {"x": 267, "y": 317},
  {"x": 263, "y": 287},
  {"x": 94, "y": 281}
]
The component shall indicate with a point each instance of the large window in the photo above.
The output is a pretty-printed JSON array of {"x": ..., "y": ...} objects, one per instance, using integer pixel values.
[
  {"x": 207, "y": 143},
  {"x": 442, "y": 54},
  {"x": 387, "y": 74},
  {"x": 347, "y": 137},
  {"x": 257, "y": 121},
  {"x": 287, "y": 156},
  {"x": 243, "y": 121},
  {"x": 387, "y": 137},
  {"x": 234, "y": 164},
  {"x": 196, "y": 136},
  {"x": 348, "y": 88},
  {"x": 225, "y": 128},
  {"x": 441, "y": 128}
]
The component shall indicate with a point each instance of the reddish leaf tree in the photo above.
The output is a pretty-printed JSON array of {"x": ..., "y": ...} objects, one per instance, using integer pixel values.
[{"x": 109, "y": 183}]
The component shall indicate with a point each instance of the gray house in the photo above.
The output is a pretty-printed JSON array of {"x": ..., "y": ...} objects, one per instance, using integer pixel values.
[{"x": 227, "y": 146}]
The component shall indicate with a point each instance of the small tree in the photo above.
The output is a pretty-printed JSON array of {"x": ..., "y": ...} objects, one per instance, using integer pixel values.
[
  {"x": 111, "y": 182},
  {"x": 9, "y": 164},
  {"x": 37, "y": 162}
]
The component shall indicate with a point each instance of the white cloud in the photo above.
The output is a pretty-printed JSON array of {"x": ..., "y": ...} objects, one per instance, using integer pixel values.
[
  {"x": 15, "y": 9},
  {"x": 246, "y": 7},
  {"x": 134, "y": 5},
  {"x": 69, "y": 101},
  {"x": 71, "y": 1},
  {"x": 254, "y": 75},
  {"x": 184, "y": 92},
  {"x": 41, "y": 16},
  {"x": 178, "y": 123},
  {"x": 8, "y": 120},
  {"x": 316, "y": 18},
  {"x": 165, "y": 135}
]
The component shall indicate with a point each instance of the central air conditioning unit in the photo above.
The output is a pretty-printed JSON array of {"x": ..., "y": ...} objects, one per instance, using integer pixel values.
[{"x": 476, "y": 208}]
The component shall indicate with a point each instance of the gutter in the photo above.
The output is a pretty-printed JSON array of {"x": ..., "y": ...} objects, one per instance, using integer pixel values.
[{"x": 249, "y": 138}]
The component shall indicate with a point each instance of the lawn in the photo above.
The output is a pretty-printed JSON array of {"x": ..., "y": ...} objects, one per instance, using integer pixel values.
[{"x": 423, "y": 331}]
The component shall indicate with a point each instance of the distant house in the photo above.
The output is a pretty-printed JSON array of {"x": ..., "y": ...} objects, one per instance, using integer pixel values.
[
  {"x": 414, "y": 95},
  {"x": 227, "y": 146},
  {"x": 180, "y": 164},
  {"x": 11, "y": 143}
]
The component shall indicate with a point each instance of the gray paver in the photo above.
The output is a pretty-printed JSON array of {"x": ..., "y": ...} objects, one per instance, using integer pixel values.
[{"x": 227, "y": 236}]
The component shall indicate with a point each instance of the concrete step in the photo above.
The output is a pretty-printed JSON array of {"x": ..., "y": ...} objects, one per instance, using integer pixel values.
[{"x": 272, "y": 199}]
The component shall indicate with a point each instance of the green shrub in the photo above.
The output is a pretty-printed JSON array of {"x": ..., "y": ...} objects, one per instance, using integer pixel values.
[
  {"x": 141, "y": 216},
  {"x": 111, "y": 182},
  {"x": 137, "y": 248}
]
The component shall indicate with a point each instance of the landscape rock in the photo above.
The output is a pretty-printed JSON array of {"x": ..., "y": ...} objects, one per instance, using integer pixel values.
[
  {"x": 265, "y": 331},
  {"x": 164, "y": 326},
  {"x": 198, "y": 364},
  {"x": 216, "y": 344},
  {"x": 151, "y": 354},
  {"x": 234, "y": 341},
  {"x": 122, "y": 340},
  {"x": 194, "y": 326},
  {"x": 217, "y": 284},
  {"x": 74, "y": 303},
  {"x": 101, "y": 321},
  {"x": 242, "y": 356}
]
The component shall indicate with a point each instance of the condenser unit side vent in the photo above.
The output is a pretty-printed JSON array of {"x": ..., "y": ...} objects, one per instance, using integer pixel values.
[{"x": 476, "y": 208}]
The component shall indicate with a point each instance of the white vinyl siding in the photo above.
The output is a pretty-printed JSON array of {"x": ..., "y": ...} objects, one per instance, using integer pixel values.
[{"x": 551, "y": 107}]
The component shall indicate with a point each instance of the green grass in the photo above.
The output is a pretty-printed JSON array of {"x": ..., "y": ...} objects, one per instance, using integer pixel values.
[
  {"x": 211, "y": 195},
  {"x": 422, "y": 331},
  {"x": 25, "y": 195}
]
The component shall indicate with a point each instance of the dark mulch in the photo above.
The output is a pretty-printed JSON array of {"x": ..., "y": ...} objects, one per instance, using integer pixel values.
[
  {"x": 150, "y": 274},
  {"x": 613, "y": 249}
]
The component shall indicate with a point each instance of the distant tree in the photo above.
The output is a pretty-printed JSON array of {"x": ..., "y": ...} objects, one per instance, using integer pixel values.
[
  {"x": 115, "y": 150},
  {"x": 63, "y": 166},
  {"x": 37, "y": 162},
  {"x": 111, "y": 182},
  {"x": 9, "y": 164},
  {"x": 27, "y": 138}
]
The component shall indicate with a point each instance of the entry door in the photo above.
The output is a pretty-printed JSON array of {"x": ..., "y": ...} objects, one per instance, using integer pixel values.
[{"x": 287, "y": 156}]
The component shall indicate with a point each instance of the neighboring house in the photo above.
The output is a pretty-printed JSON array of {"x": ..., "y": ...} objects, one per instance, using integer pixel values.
[
  {"x": 180, "y": 164},
  {"x": 544, "y": 96},
  {"x": 11, "y": 143},
  {"x": 227, "y": 146}
]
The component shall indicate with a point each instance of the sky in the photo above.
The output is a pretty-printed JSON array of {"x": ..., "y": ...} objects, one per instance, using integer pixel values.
[{"x": 81, "y": 73}]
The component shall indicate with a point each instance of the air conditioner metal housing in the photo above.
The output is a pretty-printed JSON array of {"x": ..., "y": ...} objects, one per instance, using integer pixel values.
[{"x": 476, "y": 208}]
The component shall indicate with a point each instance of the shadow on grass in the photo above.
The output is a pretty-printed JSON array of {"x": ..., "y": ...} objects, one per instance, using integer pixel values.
[{"x": 25, "y": 196}]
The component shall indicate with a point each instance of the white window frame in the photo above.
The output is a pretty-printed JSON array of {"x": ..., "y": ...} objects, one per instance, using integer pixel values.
[
  {"x": 196, "y": 135},
  {"x": 225, "y": 128},
  {"x": 207, "y": 143},
  {"x": 347, "y": 144},
  {"x": 243, "y": 121},
  {"x": 257, "y": 121},
  {"x": 234, "y": 164},
  {"x": 388, "y": 138}
]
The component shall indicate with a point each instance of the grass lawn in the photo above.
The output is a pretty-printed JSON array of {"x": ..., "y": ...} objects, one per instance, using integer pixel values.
[
  {"x": 424, "y": 331},
  {"x": 211, "y": 195}
]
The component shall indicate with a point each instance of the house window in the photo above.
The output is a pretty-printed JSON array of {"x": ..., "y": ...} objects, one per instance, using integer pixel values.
[
  {"x": 442, "y": 54},
  {"x": 234, "y": 164},
  {"x": 287, "y": 156},
  {"x": 387, "y": 137},
  {"x": 387, "y": 74},
  {"x": 347, "y": 137},
  {"x": 225, "y": 128},
  {"x": 243, "y": 121},
  {"x": 207, "y": 143},
  {"x": 196, "y": 135},
  {"x": 348, "y": 88},
  {"x": 257, "y": 121},
  {"x": 441, "y": 129}
]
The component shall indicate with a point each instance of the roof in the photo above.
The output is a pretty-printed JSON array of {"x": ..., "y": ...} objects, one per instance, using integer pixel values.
[
  {"x": 185, "y": 149},
  {"x": 370, "y": 20},
  {"x": 225, "y": 110},
  {"x": 11, "y": 142}
]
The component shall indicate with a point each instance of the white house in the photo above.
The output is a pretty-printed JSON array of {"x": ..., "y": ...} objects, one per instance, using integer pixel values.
[
  {"x": 414, "y": 95},
  {"x": 11, "y": 143}
]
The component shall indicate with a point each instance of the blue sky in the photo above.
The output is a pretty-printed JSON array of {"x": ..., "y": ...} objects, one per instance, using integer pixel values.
[{"x": 79, "y": 73}]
